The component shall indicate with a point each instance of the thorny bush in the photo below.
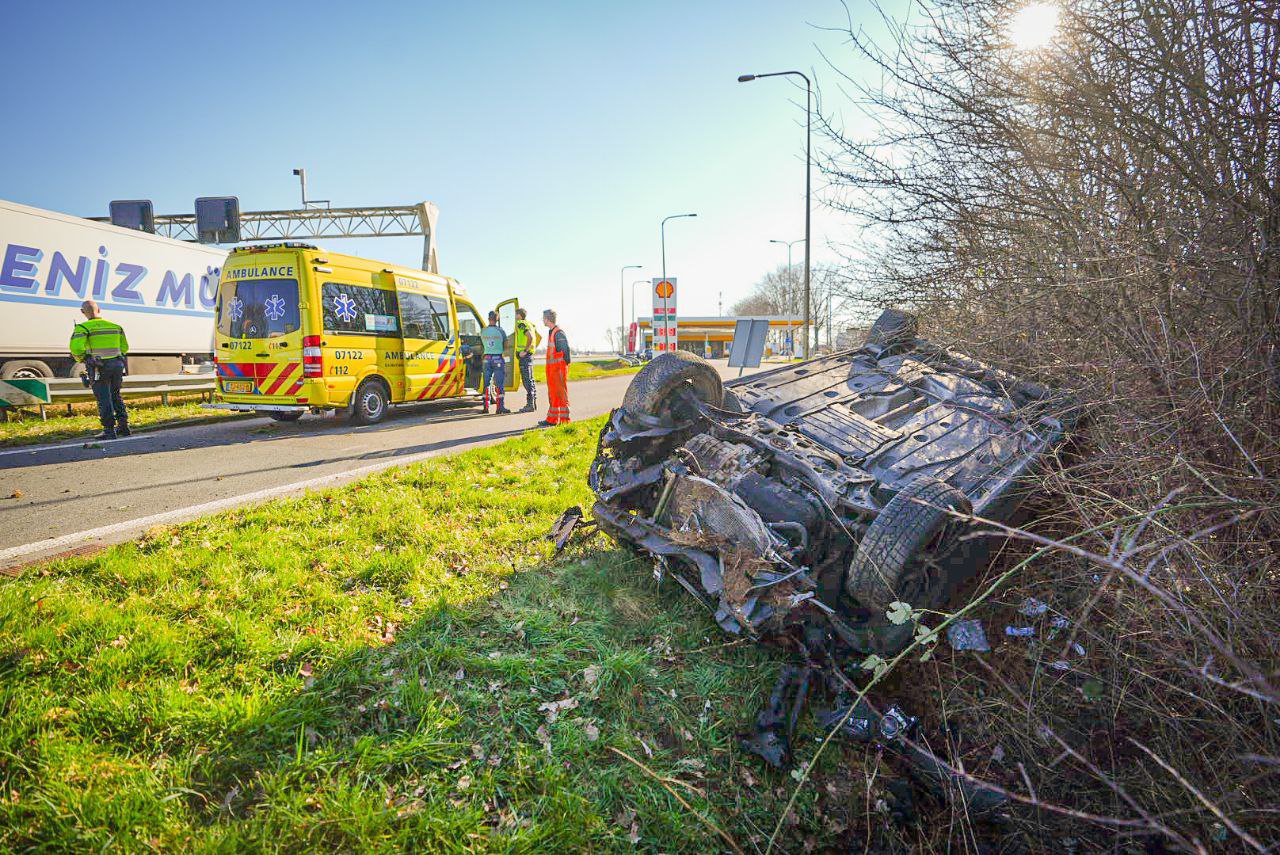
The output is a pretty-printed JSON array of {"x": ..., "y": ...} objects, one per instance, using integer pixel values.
[{"x": 1103, "y": 214}]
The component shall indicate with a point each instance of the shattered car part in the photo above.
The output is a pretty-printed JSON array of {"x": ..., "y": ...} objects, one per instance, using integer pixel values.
[
  {"x": 771, "y": 737},
  {"x": 821, "y": 492},
  {"x": 569, "y": 523},
  {"x": 894, "y": 731},
  {"x": 968, "y": 634}
]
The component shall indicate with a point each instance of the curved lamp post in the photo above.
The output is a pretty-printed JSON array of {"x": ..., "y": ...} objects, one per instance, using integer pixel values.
[
  {"x": 808, "y": 160},
  {"x": 622, "y": 303}
]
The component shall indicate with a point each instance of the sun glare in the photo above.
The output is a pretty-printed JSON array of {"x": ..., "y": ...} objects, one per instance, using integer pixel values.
[{"x": 1034, "y": 26}]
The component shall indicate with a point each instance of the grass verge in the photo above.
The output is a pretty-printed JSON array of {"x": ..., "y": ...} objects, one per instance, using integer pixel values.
[
  {"x": 589, "y": 370},
  {"x": 25, "y": 427},
  {"x": 395, "y": 664}
]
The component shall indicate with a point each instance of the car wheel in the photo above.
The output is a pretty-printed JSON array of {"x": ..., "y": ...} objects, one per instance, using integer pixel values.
[
  {"x": 369, "y": 406},
  {"x": 655, "y": 392},
  {"x": 893, "y": 328},
  {"x": 25, "y": 369},
  {"x": 285, "y": 416},
  {"x": 898, "y": 558}
]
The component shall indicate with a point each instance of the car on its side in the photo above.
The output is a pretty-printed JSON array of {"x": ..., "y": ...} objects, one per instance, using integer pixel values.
[{"x": 822, "y": 493}]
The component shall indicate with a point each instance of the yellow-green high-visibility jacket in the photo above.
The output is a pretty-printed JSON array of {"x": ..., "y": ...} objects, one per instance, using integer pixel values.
[
  {"x": 100, "y": 338},
  {"x": 527, "y": 336}
]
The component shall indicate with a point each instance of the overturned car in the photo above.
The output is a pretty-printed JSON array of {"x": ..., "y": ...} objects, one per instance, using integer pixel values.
[{"x": 817, "y": 494}]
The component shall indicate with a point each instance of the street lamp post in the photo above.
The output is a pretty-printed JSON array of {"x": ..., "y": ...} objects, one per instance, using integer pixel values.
[
  {"x": 634, "y": 319},
  {"x": 622, "y": 302},
  {"x": 791, "y": 276},
  {"x": 808, "y": 161},
  {"x": 662, "y": 228}
]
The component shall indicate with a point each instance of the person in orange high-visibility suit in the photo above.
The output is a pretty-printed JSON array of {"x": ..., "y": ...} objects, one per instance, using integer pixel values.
[{"x": 558, "y": 359}]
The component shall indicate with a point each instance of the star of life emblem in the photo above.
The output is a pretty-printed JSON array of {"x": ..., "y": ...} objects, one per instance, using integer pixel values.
[
  {"x": 345, "y": 307},
  {"x": 274, "y": 307}
]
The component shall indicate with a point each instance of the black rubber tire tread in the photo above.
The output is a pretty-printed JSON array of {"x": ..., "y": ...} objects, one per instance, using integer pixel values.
[
  {"x": 731, "y": 402},
  {"x": 653, "y": 390},
  {"x": 290, "y": 416},
  {"x": 359, "y": 413},
  {"x": 906, "y": 525},
  {"x": 894, "y": 327}
]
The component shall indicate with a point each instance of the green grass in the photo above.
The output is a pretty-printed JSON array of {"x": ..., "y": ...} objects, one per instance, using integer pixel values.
[
  {"x": 25, "y": 427},
  {"x": 589, "y": 370},
  {"x": 368, "y": 669}
]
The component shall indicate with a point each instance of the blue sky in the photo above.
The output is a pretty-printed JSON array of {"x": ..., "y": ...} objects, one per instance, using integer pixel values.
[{"x": 553, "y": 136}]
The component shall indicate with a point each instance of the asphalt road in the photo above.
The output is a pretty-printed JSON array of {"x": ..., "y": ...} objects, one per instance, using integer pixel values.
[{"x": 74, "y": 498}]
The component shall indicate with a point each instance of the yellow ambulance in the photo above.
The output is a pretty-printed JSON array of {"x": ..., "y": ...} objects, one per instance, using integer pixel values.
[{"x": 301, "y": 329}]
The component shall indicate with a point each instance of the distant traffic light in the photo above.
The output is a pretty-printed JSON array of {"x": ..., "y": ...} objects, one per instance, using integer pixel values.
[
  {"x": 136, "y": 214},
  {"x": 218, "y": 219}
]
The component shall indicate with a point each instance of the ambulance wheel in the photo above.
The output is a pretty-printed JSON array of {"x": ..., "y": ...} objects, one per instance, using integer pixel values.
[
  {"x": 369, "y": 406},
  {"x": 290, "y": 416}
]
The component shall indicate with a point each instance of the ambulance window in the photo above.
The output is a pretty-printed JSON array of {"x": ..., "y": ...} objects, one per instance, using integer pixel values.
[
  {"x": 415, "y": 316},
  {"x": 420, "y": 318},
  {"x": 359, "y": 310},
  {"x": 258, "y": 308},
  {"x": 440, "y": 309}
]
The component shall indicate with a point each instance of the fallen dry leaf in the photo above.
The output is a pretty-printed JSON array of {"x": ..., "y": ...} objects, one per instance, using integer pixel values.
[{"x": 554, "y": 708}]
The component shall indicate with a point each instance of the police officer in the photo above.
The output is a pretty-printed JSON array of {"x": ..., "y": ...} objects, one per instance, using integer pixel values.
[
  {"x": 494, "y": 339},
  {"x": 527, "y": 338},
  {"x": 101, "y": 345}
]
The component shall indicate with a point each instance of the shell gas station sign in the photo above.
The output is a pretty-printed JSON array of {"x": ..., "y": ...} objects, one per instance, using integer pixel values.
[{"x": 664, "y": 315}]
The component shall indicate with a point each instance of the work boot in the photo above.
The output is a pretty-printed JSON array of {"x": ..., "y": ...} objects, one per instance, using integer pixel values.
[
  {"x": 503, "y": 411},
  {"x": 106, "y": 434},
  {"x": 545, "y": 424},
  {"x": 529, "y": 407},
  {"x": 123, "y": 430},
  {"x": 485, "y": 409}
]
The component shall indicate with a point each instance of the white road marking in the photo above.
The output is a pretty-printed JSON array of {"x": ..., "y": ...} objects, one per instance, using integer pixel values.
[
  {"x": 59, "y": 544},
  {"x": 78, "y": 443}
]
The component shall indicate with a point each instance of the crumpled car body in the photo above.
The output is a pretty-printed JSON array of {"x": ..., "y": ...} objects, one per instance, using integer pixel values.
[{"x": 822, "y": 493}]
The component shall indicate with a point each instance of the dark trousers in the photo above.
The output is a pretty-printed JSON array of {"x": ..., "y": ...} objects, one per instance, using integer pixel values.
[
  {"x": 526, "y": 377},
  {"x": 106, "y": 388}
]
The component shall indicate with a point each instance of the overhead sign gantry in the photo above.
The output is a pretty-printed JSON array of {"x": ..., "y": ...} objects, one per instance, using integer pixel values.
[{"x": 219, "y": 220}]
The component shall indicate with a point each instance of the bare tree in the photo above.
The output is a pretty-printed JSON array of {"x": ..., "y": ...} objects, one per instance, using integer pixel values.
[{"x": 1104, "y": 214}]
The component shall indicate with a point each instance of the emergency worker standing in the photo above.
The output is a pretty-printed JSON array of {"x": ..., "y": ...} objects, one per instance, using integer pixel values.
[
  {"x": 558, "y": 359},
  {"x": 101, "y": 345},
  {"x": 494, "y": 339},
  {"x": 527, "y": 338}
]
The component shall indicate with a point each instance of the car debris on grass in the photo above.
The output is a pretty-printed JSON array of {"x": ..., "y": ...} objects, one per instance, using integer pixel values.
[{"x": 824, "y": 506}]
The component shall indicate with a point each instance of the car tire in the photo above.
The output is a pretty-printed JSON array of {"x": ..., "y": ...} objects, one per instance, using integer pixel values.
[
  {"x": 285, "y": 416},
  {"x": 25, "y": 369},
  {"x": 656, "y": 388},
  {"x": 891, "y": 562},
  {"x": 894, "y": 328},
  {"x": 369, "y": 404}
]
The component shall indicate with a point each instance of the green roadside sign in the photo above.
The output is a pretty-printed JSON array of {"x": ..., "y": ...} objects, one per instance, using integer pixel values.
[{"x": 23, "y": 393}]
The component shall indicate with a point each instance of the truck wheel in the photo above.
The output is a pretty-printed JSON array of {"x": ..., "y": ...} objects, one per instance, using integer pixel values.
[
  {"x": 655, "y": 391},
  {"x": 369, "y": 405},
  {"x": 290, "y": 416},
  {"x": 897, "y": 559},
  {"x": 25, "y": 369},
  {"x": 893, "y": 328}
]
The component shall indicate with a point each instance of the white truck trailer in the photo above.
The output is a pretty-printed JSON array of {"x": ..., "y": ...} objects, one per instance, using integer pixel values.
[{"x": 162, "y": 291}]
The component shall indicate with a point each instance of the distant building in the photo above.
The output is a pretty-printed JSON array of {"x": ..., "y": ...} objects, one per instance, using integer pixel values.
[{"x": 711, "y": 336}]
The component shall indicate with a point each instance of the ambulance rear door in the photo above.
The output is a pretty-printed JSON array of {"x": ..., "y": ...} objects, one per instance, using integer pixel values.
[{"x": 507, "y": 320}]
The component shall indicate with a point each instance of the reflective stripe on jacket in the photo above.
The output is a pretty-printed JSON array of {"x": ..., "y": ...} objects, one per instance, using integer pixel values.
[
  {"x": 554, "y": 356},
  {"x": 100, "y": 338}
]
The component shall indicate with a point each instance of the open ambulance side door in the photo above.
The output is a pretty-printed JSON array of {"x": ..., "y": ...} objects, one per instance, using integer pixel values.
[{"x": 507, "y": 320}]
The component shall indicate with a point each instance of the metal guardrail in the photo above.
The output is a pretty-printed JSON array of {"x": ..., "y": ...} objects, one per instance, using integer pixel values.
[{"x": 69, "y": 390}]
